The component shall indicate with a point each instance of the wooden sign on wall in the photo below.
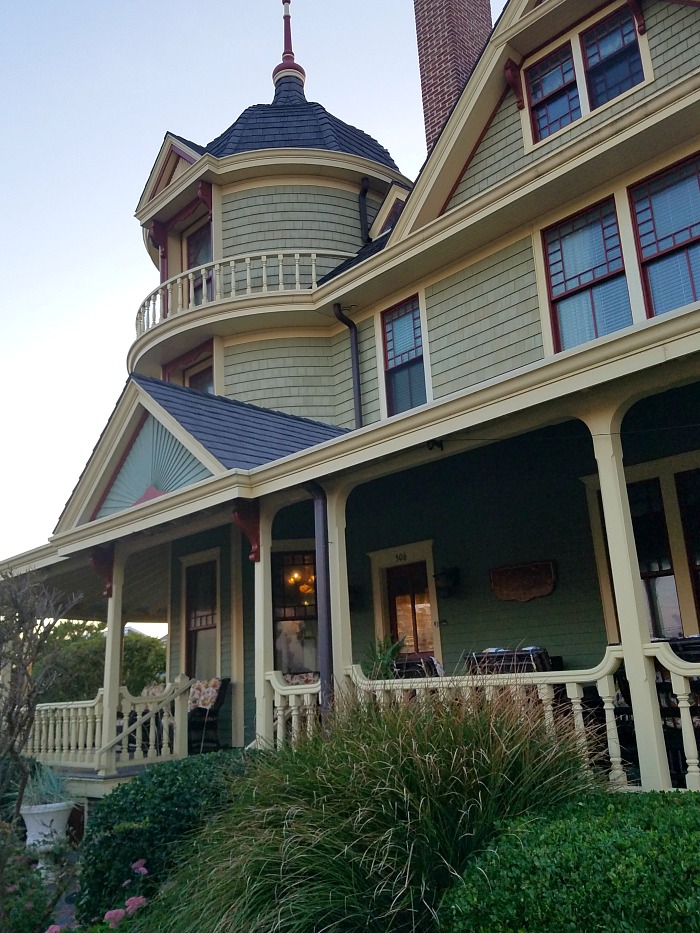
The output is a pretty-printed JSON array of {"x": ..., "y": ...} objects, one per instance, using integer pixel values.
[{"x": 523, "y": 582}]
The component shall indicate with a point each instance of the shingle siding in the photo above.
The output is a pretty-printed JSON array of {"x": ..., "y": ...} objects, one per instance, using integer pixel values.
[
  {"x": 293, "y": 218},
  {"x": 484, "y": 321},
  {"x": 501, "y": 153}
]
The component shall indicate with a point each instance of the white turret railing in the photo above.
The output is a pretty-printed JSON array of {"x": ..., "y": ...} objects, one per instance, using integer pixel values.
[{"x": 233, "y": 278}]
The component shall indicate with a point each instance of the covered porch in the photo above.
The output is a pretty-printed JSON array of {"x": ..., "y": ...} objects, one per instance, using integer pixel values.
[{"x": 570, "y": 528}]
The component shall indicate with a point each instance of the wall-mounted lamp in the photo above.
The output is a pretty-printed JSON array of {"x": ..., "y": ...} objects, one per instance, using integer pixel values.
[{"x": 446, "y": 580}]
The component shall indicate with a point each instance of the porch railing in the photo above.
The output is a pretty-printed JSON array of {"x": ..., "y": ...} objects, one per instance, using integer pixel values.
[
  {"x": 237, "y": 277},
  {"x": 560, "y": 692},
  {"x": 148, "y": 729},
  {"x": 296, "y": 709}
]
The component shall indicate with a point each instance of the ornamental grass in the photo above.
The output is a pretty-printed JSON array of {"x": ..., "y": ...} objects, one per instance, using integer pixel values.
[{"x": 365, "y": 826}]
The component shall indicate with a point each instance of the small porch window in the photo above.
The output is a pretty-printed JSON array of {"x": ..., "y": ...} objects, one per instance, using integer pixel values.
[
  {"x": 403, "y": 357},
  {"x": 294, "y": 610},
  {"x": 586, "y": 275},
  {"x": 667, "y": 216},
  {"x": 654, "y": 554},
  {"x": 198, "y": 252},
  {"x": 201, "y": 619}
]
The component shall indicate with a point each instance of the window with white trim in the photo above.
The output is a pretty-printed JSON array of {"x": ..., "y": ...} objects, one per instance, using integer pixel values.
[
  {"x": 586, "y": 276},
  {"x": 593, "y": 67},
  {"x": 666, "y": 213},
  {"x": 403, "y": 357}
]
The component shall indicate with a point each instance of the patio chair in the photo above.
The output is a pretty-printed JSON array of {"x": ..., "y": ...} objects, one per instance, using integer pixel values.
[{"x": 206, "y": 700}]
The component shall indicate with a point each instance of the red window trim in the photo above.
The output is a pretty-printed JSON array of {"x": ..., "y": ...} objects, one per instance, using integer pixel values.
[
  {"x": 552, "y": 299},
  {"x": 641, "y": 261}
]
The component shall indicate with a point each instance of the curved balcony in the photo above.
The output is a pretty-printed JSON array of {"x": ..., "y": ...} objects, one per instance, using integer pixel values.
[{"x": 237, "y": 277}]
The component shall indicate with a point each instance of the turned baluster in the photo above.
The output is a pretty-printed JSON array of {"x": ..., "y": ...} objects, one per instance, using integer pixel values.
[
  {"x": 263, "y": 260},
  {"x": 280, "y": 271},
  {"x": 313, "y": 270},
  {"x": 205, "y": 289},
  {"x": 217, "y": 282},
  {"x": 575, "y": 694},
  {"x": 295, "y": 705},
  {"x": 545, "y": 692},
  {"x": 248, "y": 283},
  {"x": 681, "y": 687},
  {"x": 232, "y": 267},
  {"x": 180, "y": 294},
  {"x": 190, "y": 294},
  {"x": 297, "y": 272},
  {"x": 90, "y": 732},
  {"x": 606, "y": 691}
]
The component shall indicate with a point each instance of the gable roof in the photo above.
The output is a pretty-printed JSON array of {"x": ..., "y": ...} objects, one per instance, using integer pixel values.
[
  {"x": 239, "y": 435},
  {"x": 292, "y": 122}
]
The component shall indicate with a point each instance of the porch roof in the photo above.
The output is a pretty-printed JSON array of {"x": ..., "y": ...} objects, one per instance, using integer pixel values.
[{"x": 240, "y": 435}]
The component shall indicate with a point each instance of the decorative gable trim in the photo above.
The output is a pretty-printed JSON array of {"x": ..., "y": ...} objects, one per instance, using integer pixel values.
[{"x": 154, "y": 464}]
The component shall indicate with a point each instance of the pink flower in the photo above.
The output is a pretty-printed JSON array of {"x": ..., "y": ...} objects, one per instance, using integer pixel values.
[
  {"x": 115, "y": 917},
  {"x": 54, "y": 928},
  {"x": 133, "y": 904},
  {"x": 139, "y": 867}
]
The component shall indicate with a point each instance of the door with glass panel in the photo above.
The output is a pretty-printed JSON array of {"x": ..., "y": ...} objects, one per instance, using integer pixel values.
[{"x": 410, "y": 611}]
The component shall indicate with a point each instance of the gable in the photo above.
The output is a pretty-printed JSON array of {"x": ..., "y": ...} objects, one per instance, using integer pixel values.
[
  {"x": 175, "y": 157},
  {"x": 156, "y": 463}
]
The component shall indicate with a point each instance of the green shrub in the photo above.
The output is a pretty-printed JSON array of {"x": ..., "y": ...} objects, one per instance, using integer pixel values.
[
  {"x": 25, "y": 905},
  {"x": 149, "y": 819},
  {"x": 365, "y": 826},
  {"x": 623, "y": 863}
]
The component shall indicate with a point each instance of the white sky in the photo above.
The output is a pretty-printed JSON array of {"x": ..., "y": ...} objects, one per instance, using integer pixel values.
[{"x": 88, "y": 91}]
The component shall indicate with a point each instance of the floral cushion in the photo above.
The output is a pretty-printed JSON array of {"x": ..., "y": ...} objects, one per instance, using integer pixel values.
[
  {"x": 203, "y": 693},
  {"x": 307, "y": 677},
  {"x": 152, "y": 690}
]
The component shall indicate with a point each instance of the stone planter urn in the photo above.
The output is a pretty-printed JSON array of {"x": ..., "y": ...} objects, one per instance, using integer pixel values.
[{"x": 46, "y": 823}]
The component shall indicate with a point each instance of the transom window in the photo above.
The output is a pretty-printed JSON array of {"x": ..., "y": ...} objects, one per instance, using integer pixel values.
[
  {"x": 667, "y": 216},
  {"x": 593, "y": 68},
  {"x": 201, "y": 618},
  {"x": 586, "y": 276},
  {"x": 403, "y": 357}
]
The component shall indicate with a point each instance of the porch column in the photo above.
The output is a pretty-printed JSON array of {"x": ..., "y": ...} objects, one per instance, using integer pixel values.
[
  {"x": 339, "y": 589},
  {"x": 264, "y": 630},
  {"x": 630, "y": 599},
  {"x": 113, "y": 662}
]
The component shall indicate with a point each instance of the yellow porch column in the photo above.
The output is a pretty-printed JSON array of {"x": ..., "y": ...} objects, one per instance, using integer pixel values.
[
  {"x": 113, "y": 662},
  {"x": 338, "y": 568},
  {"x": 630, "y": 600},
  {"x": 264, "y": 630}
]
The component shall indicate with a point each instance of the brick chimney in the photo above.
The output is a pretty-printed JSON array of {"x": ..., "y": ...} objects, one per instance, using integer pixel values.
[{"x": 451, "y": 35}]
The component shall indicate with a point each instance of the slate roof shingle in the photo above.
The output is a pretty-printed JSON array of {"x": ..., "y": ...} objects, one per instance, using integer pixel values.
[
  {"x": 369, "y": 249},
  {"x": 240, "y": 435},
  {"x": 292, "y": 122}
]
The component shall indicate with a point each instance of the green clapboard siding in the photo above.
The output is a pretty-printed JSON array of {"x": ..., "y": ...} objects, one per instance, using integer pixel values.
[
  {"x": 673, "y": 31},
  {"x": 513, "y": 502},
  {"x": 191, "y": 546},
  {"x": 484, "y": 321},
  {"x": 293, "y": 217},
  {"x": 156, "y": 459}
]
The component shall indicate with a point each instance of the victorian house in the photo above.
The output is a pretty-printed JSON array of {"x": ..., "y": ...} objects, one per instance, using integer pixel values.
[{"x": 460, "y": 413}]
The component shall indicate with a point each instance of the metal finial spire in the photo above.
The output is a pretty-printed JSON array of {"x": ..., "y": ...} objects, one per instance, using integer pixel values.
[{"x": 288, "y": 65}]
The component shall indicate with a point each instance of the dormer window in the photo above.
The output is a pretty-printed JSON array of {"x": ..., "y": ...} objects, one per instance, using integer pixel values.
[{"x": 595, "y": 66}]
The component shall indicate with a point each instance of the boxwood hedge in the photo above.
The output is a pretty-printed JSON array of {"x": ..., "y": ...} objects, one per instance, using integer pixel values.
[
  {"x": 148, "y": 818},
  {"x": 613, "y": 863}
]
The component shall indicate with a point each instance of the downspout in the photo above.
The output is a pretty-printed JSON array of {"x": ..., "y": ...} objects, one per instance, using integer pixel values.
[
  {"x": 323, "y": 594},
  {"x": 364, "y": 224},
  {"x": 355, "y": 361}
]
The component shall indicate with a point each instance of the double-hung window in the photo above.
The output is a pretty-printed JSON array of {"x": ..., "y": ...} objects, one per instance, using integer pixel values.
[
  {"x": 403, "y": 357},
  {"x": 595, "y": 66},
  {"x": 587, "y": 284},
  {"x": 666, "y": 211}
]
